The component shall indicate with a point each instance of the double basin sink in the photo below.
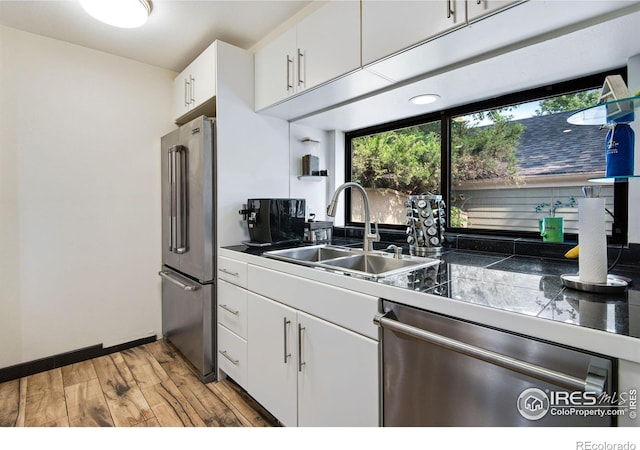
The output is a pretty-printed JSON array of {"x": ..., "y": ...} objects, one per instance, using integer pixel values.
[{"x": 352, "y": 261}]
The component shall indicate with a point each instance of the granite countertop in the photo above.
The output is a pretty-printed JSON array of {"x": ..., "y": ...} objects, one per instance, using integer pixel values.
[
  {"x": 520, "y": 284},
  {"x": 527, "y": 285}
]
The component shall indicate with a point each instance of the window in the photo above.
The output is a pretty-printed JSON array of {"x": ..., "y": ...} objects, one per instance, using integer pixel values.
[
  {"x": 504, "y": 164},
  {"x": 390, "y": 164},
  {"x": 512, "y": 166}
]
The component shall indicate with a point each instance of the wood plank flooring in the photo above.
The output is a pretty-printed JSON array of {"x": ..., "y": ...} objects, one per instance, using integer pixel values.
[{"x": 146, "y": 386}]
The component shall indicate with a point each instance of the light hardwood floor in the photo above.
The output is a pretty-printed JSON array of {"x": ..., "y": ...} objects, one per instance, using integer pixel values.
[{"x": 146, "y": 386}]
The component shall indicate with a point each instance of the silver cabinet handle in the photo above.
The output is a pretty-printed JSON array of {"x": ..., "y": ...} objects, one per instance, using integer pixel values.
[
  {"x": 186, "y": 93},
  {"x": 300, "y": 56},
  {"x": 235, "y": 362},
  {"x": 167, "y": 276},
  {"x": 300, "y": 362},
  {"x": 286, "y": 350},
  {"x": 192, "y": 89},
  {"x": 594, "y": 382},
  {"x": 233, "y": 274},
  {"x": 226, "y": 308},
  {"x": 289, "y": 64}
]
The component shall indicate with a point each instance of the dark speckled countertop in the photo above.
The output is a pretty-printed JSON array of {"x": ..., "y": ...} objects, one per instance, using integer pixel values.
[
  {"x": 528, "y": 285},
  {"x": 521, "y": 284}
]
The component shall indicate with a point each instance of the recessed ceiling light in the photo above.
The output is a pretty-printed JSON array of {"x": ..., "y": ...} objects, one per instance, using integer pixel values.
[
  {"x": 424, "y": 99},
  {"x": 118, "y": 13}
]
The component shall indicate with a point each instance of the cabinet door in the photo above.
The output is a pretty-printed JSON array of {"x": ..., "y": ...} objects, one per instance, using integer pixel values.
[
  {"x": 272, "y": 353},
  {"x": 338, "y": 380},
  {"x": 275, "y": 71},
  {"x": 328, "y": 43},
  {"x": 203, "y": 77},
  {"x": 391, "y": 26},
  {"x": 479, "y": 8},
  {"x": 180, "y": 94}
]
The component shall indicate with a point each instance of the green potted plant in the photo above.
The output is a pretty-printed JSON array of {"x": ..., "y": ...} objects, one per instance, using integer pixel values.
[{"x": 552, "y": 227}]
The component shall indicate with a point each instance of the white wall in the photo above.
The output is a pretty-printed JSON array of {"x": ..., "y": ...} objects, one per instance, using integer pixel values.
[
  {"x": 79, "y": 196},
  {"x": 252, "y": 149},
  {"x": 336, "y": 162},
  {"x": 314, "y": 190}
]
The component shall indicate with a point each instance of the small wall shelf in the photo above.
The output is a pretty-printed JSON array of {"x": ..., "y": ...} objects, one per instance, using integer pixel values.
[
  {"x": 311, "y": 177},
  {"x": 611, "y": 180},
  {"x": 601, "y": 114}
]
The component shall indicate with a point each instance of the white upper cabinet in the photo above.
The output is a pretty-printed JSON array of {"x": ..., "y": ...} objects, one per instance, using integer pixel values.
[
  {"x": 480, "y": 8},
  {"x": 196, "y": 84},
  {"x": 391, "y": 26},
  {"x": 275, "y": 71},
  {"x": 321, "y": 47},
  {"x": 329, "y": 43}
]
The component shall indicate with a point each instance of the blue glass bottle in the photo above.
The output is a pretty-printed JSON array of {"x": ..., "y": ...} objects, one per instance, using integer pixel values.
[{"x": 619, "y": 145}]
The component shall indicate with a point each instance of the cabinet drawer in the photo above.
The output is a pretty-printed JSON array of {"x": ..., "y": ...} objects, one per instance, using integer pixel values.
[
  {"x": 232, "y": 355},
  {"x": 232, "y": 271},
  {"x": 348, "y": 309},
  {"x": 232, "y": 308}
]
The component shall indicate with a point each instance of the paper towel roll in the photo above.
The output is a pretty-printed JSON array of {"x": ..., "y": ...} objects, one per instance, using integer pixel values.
[{"x": 592, "y": 238}]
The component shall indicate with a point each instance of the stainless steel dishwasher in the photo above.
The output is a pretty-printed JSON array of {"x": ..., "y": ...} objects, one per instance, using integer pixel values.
[{"x": 440, "y": 371}]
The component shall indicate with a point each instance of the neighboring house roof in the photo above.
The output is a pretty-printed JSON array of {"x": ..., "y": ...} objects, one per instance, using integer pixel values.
[{"x": 547, "y": 149}]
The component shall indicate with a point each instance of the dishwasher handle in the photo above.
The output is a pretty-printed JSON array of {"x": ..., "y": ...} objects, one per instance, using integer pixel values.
[{"x": 594, "y": 381}]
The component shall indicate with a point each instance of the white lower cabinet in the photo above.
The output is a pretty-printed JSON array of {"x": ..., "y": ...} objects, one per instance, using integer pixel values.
[
  {"x": 273, "y": 371},
  {"x": 338, "y": 378},
  {"x": 232, "y": 308},
  {"x": 232, "y": 358},
  {"x": 307, "y": 371},
  {"x": 232, "y": 323}
]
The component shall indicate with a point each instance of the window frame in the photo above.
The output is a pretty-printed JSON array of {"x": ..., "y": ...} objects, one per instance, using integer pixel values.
[{"x": 594, "y": 81}]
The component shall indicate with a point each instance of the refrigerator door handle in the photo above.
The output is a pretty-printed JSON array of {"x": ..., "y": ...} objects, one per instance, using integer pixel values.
[
  {"x": 167, "y": 276},
  {"x": 172, "y": 204},
  {"x": 178, "y": 200}
]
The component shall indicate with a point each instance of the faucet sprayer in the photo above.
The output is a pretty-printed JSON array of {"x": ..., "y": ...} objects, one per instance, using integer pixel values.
[{"x": 369, "y": 236}]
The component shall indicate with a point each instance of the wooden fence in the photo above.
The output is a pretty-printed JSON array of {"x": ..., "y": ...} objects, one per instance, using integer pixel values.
[{"x": 493, "y": 208}]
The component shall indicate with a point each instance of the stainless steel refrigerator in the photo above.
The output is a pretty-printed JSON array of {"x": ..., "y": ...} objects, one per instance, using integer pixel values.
[{"x": 188, "y": 243}]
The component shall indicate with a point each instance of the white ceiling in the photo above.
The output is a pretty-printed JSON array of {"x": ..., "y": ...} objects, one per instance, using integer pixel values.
[{"x": 177, "y": 31}]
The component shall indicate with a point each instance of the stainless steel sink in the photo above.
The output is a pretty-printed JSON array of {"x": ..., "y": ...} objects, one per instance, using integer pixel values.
[
  {"x": 377, "y": 265},
  {"x": 351, "y": 261},
  {"x": 314, "y": 253}
]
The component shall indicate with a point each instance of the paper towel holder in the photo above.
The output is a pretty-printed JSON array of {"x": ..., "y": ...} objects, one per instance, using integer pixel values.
[{"x": 614, "y": 284}]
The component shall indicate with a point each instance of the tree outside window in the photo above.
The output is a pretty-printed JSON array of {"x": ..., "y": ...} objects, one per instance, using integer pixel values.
[{"x": 499, "y": 172}]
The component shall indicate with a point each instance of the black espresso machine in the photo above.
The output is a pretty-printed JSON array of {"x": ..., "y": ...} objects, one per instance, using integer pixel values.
[{"x": 274, "y": 220}]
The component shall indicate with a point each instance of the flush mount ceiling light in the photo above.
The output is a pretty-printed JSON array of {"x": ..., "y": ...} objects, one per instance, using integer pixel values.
[
  {"x": 118, "y": 13},
  {"x": 424, "y": 99}
]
